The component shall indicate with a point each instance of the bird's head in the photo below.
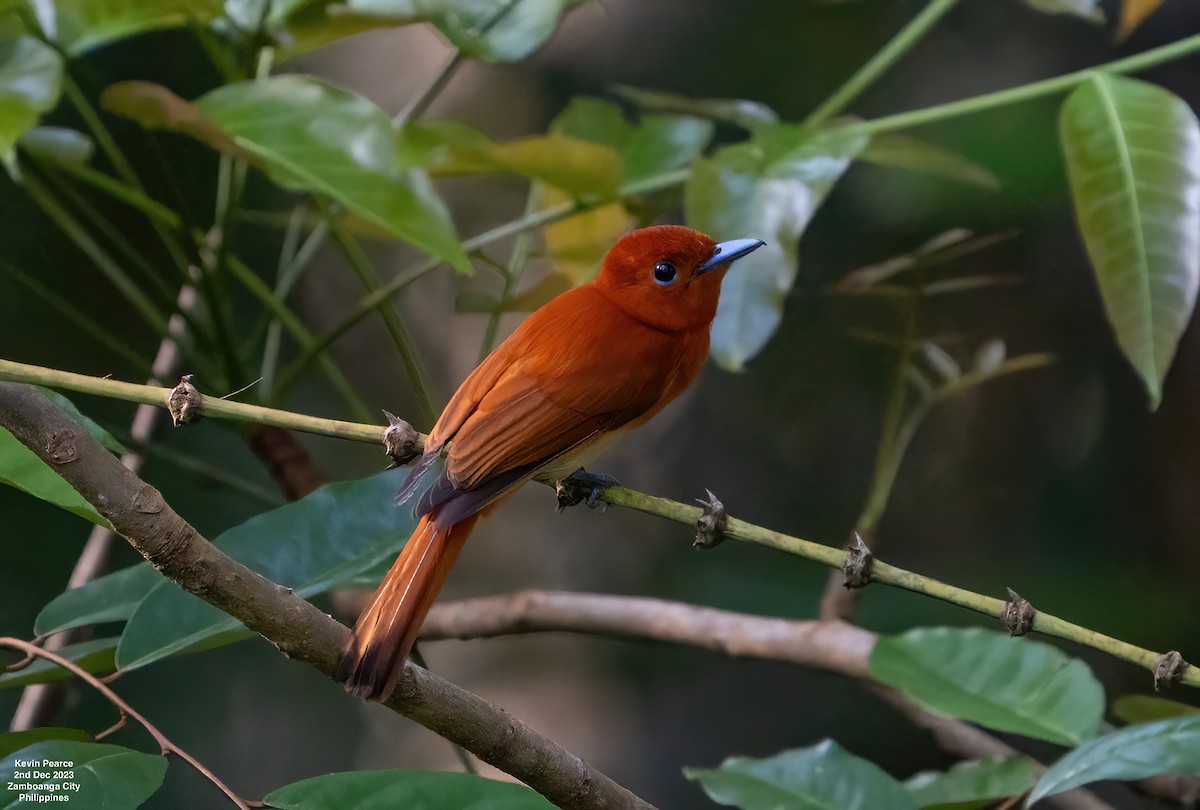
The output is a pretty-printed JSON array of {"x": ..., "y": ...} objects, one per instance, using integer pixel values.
[{"x": 669, "y": 276}]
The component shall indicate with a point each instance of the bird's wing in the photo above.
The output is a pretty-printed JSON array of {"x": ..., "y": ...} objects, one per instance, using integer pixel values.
[{"x": 542, "y": 399}]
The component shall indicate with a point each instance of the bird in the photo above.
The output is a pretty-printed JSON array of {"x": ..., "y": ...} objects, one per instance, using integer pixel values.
[{"x": 581, "y": 371}]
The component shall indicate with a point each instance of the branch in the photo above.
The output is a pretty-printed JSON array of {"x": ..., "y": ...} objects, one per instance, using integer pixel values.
[
  {"x": 1044, "y": 623},
  {"x": 835, "y": 646},
  {"x": 165, "y": 745},
  {"x": 39, "y": 701},
  {"x": 298, "y": 629}
]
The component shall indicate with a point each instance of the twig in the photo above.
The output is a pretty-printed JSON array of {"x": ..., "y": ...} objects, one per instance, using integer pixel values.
[
  {"x": 298, "y": 629},
  {"x": 165, "y": 745},
  {"x": 1044, "y": 623}
]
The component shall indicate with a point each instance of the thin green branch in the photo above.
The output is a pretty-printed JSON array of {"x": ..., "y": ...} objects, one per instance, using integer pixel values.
[
  {"x": 880, "y": 63},
  {"x": 512, "y": 273},
  {"x": 620, "y": 496},
  {"x": 1025, "y": 92},
  {"x": 86, "y": 323},
  {"x": 358, "y": 260},
  {"x": 83, "y": 240},
  {"x": 211, "y": 406}
]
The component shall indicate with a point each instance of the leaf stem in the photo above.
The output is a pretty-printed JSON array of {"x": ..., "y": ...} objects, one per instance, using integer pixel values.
[
  {"x": 512, "y": 273},
  {"x": 358, "y": 260},
  {"x": 652, "y": 505},
  {"x": 880, "y": 63},
  {"x": 1025, "y": 92}
]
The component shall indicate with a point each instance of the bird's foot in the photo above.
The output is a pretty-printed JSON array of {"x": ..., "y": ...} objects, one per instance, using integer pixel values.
[{"x": 582, "y": 486}]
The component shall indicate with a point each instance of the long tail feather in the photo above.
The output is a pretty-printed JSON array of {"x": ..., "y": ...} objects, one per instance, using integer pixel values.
[{"x": 385, "y": 633}]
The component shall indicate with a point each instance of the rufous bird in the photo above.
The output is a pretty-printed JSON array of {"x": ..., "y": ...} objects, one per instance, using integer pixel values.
[{"x": 581, "y": 371}]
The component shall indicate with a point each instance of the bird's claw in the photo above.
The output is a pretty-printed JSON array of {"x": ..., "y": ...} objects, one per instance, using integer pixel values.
[{"x": 582, "y": 486}]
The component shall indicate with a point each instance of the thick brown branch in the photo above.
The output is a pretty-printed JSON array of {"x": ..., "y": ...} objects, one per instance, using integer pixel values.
[
  {"x": 830, "y": 645},
  {"x": 301, "y": 631}
]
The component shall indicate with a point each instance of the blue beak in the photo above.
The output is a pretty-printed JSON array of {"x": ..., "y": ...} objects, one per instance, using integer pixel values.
[{"x": 729, "y": 252}]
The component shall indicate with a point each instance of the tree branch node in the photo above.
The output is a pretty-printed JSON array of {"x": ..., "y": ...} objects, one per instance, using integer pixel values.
[
  {"x": 184, "y": 402},
  {"x": 1168, "y": 670},
  {"x": 711, "y": 525},
  {"x": 1018, "y": 614},
  {"x": 400, "y": 440},
  {"x": 856, "y": 570},
  {"x": 62, "y": 447}
]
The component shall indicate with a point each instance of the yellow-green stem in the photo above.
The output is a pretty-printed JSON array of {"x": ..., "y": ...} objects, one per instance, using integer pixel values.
[{"x": 619, "y": 496}]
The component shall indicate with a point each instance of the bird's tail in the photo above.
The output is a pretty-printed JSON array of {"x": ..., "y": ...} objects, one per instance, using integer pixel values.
[{"x": 373, "y": 659}]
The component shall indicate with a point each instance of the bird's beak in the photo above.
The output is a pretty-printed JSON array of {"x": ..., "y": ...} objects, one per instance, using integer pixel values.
[{"x": 729, "y": 252}]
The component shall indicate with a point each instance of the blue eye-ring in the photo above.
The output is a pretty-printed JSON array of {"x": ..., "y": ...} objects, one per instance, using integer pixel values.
[{"x": 664, "y": 272}]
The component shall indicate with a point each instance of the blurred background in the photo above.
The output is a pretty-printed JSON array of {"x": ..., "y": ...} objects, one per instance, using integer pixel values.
[{"x": 1057, "y": 482}]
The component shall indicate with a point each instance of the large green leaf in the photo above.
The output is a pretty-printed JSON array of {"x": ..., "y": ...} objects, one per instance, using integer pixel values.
[
  {"x": 30, "y": 82},
  {"x": 1133, "y": 159},
  {"x": 110, "y": 598},
  {"x": 20, "y": 468},
  {"x": 109, "y": 777},
  {"x": 94, "y": 655},
  {"x": 510, "y": 34},
  {"x": 80, "y": 25},
  {"x": 16, "y": 740},
  {"x": 1009, "y": 684},
  {"x": 821, "y": 777},
  {"x": 767, "y": 188},
  {"x": 973, "y": 784},
  {"x": 1134, "y": 752},
  {"x": 311, "y": 136},
  {"x": 385, "y": 790},
  {"x": 319, "y": 541}
]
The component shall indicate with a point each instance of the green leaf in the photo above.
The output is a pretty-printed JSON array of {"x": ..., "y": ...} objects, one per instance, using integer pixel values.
[
  {"x": 20, "y": 468},
  {"x": 95, "y": 655},
  {"x": 94, "y": 430},
  {"x": 1084, "y": 9},
  {"x": 510, "y": 35},
  {"x": 1134, "y": 752},
  {"x": 1148, "y": 709},
  {"x": 310, "y": 545},
  {"x": 16, "y": 740},
  {"x": 821, "y": 777},
  {"x": 972, "y": 785},
  {"x": 310, "y": 136},
  {"x": 904, "y": 152},
  {"x": 583, "y": 169},
  {"x": 110, "y": 598},
  {"x": 385, "y": 790},
  {"x": 30, "y": 82},
  {"x": 61, "y": 145},
  {"x": 81, "y": 25},
  {"x": 317, "y": 137},
  {"x": 108, "y": 776},
  {"x": 743, "y": 112},
  {"x": 767, "y": 188},
  {"x": 1131, "y": 150},
  {"x": 653, "y": 145},
  {"x": 1008, "y": 684}
]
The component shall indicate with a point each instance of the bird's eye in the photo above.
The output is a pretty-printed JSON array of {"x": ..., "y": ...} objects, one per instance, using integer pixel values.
[{"x": 664, "y": 272}]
